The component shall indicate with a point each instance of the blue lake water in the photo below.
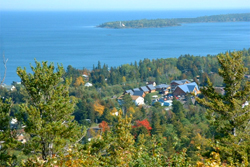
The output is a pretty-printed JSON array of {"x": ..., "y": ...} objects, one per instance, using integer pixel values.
[{"x": 71, "y": 38}]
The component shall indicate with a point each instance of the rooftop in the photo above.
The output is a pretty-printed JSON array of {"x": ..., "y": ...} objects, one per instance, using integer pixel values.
[
  {"x": 144, "y": 89},
  {"x": 188, "y": 88}
]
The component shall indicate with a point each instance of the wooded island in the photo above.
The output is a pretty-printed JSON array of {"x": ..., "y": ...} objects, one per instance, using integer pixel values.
[{"x": 158, "y": 23}]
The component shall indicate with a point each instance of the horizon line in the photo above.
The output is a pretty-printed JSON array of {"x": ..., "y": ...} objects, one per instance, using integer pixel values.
[{"x": 115, "y": 10}]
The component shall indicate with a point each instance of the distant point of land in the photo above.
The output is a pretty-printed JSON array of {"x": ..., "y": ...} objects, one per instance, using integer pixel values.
[{"x": 157, "y": 23}]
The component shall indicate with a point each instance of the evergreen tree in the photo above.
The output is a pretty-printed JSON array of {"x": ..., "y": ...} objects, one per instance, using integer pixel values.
[
  {"x": 7, "y": 135},
  {"x": 148, "y": 99},
  {"x": 49, "y": 108},
  {"x": 156, "y": 123},
  {"x": 127, "y": 102},
  {"x": 227, "y": 113},
  {"x": 178, "y": 109}
]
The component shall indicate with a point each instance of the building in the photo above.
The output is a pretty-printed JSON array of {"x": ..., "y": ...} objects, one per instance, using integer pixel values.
[
  {"x": 182, "y": 90},
  {"x": 151, "y": 88},
  {"x": 139, "y": 93},
  {"x": 138, "y": 100},
  {"x": 144, "y": 89},
  {"x": 162, "y": 86},
  {"x": 136, "y": 89},
  {"x": 175, "y": 83},
  {"x": 151, "y": 83},
  {"x": 128, "y": 92},
  {"x": 165, "y": 91},
  {"x": 88, "y": 84}
]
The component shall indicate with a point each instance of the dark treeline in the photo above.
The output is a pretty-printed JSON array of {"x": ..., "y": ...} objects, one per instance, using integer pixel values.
[
  {"x": 160, "y": 70},
  {"x": 155, "y": 23}
]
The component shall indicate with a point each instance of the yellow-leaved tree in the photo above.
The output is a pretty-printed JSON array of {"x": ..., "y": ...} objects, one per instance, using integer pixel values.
[
  {"x": 98, "y": 107},
  {"x": 79, "y": 81}
]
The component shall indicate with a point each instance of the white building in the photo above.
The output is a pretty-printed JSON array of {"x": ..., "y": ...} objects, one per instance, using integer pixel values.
[
  {"x": 88, "y": 84},
  {"x": 138, "y": 100}
]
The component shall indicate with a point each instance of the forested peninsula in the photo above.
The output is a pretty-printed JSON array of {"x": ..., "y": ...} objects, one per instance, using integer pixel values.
[{"x": 158, "y": 23}]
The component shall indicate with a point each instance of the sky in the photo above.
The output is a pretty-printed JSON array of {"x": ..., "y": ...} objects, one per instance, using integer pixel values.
[{"x": 92, "y": 5}]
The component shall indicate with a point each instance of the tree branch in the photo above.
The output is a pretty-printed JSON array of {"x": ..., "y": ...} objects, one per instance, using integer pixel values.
[{"x": 5, "y": 69}]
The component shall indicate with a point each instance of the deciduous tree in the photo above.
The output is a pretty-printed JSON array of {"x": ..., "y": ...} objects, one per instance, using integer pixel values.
[
  {"x": 79, "y": 81},
  {"x": 98, "y": 107}
]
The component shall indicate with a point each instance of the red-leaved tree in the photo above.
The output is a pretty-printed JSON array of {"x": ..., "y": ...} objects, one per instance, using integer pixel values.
[
  {"x": 143, "y": 123},
  {"x": 104, "y": 125}
]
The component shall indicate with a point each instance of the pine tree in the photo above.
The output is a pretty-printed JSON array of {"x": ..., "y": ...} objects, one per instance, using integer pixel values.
[
  {"x": 50, "y": 122},
  {"x": 7, "y": 135},
  {"x": 156, "y": 123},
  {"x": 227, "y": 113}
]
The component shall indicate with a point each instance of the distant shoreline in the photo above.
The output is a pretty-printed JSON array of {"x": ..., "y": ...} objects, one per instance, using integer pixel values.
[{"x": 159, "y": 23}]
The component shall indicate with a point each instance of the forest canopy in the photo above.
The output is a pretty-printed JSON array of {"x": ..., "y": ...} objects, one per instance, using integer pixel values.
[{"x": 52, "y": 106}]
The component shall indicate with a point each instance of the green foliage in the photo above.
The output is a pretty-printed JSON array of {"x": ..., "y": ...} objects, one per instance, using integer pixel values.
[
  {"x": 7, "y": 135},
  {"x": 127, "y": 102},
  {"x": 50, "y": 122},
  {"x": 180, "y": 136},
  {"x": 148, "y": 99},
  {"x": 227, "y": 113},
  {"x": 118, "y": 148},
  {"x": 156, "y": 123}
]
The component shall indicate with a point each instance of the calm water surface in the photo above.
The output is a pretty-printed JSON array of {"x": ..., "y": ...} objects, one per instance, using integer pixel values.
[{"x": 71, "y": 38}]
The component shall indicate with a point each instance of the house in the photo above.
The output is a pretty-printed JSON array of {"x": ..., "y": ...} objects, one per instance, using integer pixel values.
[
  {"x": 139, "y": 93},
  {"x": 88, "y": 84},
  {"x": 182, "y": 90},
  {"x": 128, "y": 92},
  {"x": 136, "y": 89},
  {"x": 138, "y": 100},
  {"x": 151, "y": 83},
  {"x": 144, "y": 89},
  {"x": 162, "y": 86},
  {"x": 151, "y": 88},
  {"x": 165, "y": 91},
  {"x": 175, "y": 83}
]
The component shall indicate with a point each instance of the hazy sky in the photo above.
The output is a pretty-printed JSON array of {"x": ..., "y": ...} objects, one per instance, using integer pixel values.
[{"x": 122, "y": 4}]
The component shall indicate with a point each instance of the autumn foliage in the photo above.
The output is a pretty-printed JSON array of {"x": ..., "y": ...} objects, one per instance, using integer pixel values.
[
  {"x": 143, "y": 123},
  {"x": 79, "y": 81},
  {"x": 98, "y": 107},
  {"x": 104, "y": 126}
]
